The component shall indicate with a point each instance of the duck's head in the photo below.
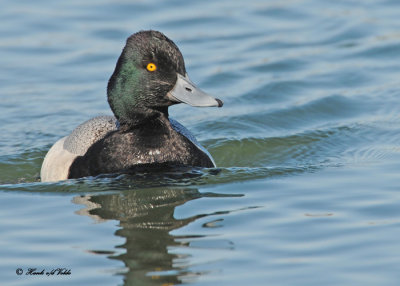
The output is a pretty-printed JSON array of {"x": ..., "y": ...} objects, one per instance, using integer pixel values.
[{"x": 150, "y": 75}]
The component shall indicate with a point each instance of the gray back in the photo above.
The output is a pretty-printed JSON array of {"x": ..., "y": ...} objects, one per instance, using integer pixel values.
[{"x": 89, "y": 132}]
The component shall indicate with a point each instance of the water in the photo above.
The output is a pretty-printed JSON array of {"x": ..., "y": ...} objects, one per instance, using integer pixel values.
[{"x": 307, "y": 146}]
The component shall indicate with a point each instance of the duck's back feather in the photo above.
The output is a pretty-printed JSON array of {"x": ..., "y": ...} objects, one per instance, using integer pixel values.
[
  {"x": 89, "y": 132},
  {"x": 61, "y": 155},
  {"x": 57, "y": 163}
]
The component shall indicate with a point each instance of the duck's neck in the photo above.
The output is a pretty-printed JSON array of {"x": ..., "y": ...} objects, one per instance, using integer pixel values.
[{"x": 145, "y": 118}]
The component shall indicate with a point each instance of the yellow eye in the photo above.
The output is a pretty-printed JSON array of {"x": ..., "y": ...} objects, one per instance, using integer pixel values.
[{"x": 151, "y": 67}]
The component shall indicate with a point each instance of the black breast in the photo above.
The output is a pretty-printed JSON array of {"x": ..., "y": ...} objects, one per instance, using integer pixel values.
[{"x": 121, "y": 152}]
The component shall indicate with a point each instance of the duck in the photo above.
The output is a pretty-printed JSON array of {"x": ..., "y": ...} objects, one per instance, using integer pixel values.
[{"x": 149, "y": 77}]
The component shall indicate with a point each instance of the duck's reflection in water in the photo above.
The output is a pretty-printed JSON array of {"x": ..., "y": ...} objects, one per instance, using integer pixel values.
[{"x": 146, "y": 219}]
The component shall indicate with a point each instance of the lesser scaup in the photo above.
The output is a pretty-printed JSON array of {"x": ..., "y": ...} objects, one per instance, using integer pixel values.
[{"x": 149, "y": 77}]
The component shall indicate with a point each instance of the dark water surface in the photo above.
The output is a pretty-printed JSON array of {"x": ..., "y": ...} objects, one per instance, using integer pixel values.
[{"x": 308, "y": 146}]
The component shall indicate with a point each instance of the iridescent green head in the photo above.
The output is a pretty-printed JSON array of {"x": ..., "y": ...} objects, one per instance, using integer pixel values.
[{"x": 150, "y": 75}]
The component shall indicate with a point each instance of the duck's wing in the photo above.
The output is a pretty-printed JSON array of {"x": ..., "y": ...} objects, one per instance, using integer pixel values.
[
  {"x": 89, "y": 132},
  {"x": 58, "y": 160}
]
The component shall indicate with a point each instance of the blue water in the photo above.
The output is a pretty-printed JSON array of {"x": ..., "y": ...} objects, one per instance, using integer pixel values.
[{"x": 307, "y": 145}]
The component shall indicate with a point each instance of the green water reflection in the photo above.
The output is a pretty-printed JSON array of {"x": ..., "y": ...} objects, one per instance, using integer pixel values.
[{"x": 146, "y": 218}]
